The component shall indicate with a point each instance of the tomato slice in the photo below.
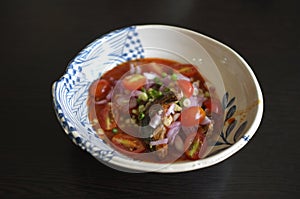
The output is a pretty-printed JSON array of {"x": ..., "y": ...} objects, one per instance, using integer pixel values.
[
  {"x": 99, "y": 89},
  {"x": 192, "y": 116},
  {"x": 192, "y": 145},
  {"x": 188, "y": 70},
  {"x": 186, "y": 87},
  {"x": 105, "y": 118},
  {"x": 128, "y": 143},
  {"x": 212, "y": 105},
  {"x": 134, "y": 81}
]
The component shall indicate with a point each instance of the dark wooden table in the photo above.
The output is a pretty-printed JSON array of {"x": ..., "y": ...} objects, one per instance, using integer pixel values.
[{"x": 39, "y": 38}]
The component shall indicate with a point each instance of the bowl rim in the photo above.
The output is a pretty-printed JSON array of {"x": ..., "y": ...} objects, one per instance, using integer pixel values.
[{"x": 140, "y": 166}]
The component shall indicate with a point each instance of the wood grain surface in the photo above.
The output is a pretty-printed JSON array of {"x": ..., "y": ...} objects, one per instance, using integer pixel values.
[{"x": 39, "y": 38}]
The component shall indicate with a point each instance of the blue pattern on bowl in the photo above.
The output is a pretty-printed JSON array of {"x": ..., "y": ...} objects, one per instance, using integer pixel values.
[
  {"x": 69, "y": 91},
  {"x": 230, "y": 134}
]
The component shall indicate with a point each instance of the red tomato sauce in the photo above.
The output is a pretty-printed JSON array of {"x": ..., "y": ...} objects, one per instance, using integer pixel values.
[{"x": 162, "y": 142}]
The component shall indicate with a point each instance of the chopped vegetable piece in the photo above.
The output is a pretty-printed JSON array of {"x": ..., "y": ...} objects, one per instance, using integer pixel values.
[
  {"x": 134, "y": 81},
  {"x": 186, "y": 87},
  {"x": 154, "y": 93},
  {"x": 188, "y": 70},
  {"x": 100, "y": 89},
  {"x": 212, "y": 105},
  {"x": 134, "y": 111},
  {"x": 193, "y": 145},
  {"x": 174, "y": 77},
  {"x": 157, "y": 81},
  {"x": 105, "y": 118},
  {"x": 155, "y": 121},
  {"x": 159, "y": 142},
  {"x": 128, "y": 143},
  {"x": 115, "y": 130},
  {"x": 206, "y": 94},
  {"x": 141, "y": 108},
  {"x": 192, "y": 116},
  {"x": 141, "y": 116},
  {"x": 143, "y": 96},
  {"x": 186, "y": 102}
]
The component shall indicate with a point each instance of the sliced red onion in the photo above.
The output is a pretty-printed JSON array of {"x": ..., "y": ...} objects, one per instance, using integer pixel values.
[
  {"x": 135, "y": 93},
  {"x": 196, "y": 84},
  {"x": 162, "y": 88},
  {"x": 149, "y": 83},
  {"x": 179, "y": 145},
  {"x": 122, "y": 100},
  {"x": 196, "y": 100},
  {"x": 118, "y": 82},
  {"x": 132, "y": 102},
  {"x": 197, "y": 116},
  {"x": 176, "y": 116},
  {"x": 159, "y": 142},
  {"x": 178, "y": 93},
  {"x": 206, "y": 121},
  {"x": 182, "y": 77},
  {"x": 189, "y": 130},
  {"x": 201, "y": 99},
  {"x": 138, "y": 69},
  {"x": 195, "y": 91},
  {"x": 101, "y": 102},
  {"x": 170, "y": 110},
  {"x": 119, "y": 87},
  {"x": 212, "y": 89},
  {"x": 108, "y": 96},
  {"x": 172, "y": 133},
  {"x": 150, "y": 75},
  {"x": 166, "y": 81},
  {"x": 155, "y": 121},
  {"x": 174, "y": 124},
  {"x": 132, "y": 68}
]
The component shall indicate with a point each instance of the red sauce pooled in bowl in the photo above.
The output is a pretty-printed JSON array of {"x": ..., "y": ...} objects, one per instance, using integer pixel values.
[{"x": 153, "y": 109}]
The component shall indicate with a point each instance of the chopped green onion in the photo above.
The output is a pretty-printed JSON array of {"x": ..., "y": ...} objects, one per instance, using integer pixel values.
[
  {"x": 152, "y": 92},
  {"x": 141, "y": 116},
  {"x": 133, "y": 120},
  {"x": 174, "y": 77},
  {"x": 115, "y": 130},
  {"x": 141, "y": 108},
  {"x": 134, "y": 111},
  {"x": 206, "y": 94},
  {"x": 157, "y": 80},
  {"x": 164, "y": 74},
  {"x": 143, "y": 96},
  {"x": 181, "y": 102},
  {"x": 186, "y": 102},
  {"x": 166, "y": 89}
]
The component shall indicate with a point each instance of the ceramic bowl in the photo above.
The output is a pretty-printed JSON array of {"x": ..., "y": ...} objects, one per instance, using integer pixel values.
[{"x": 235, "y": 82}]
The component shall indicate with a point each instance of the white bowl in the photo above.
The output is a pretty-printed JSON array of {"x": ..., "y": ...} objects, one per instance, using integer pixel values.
[{"x": 233, "y": 79}]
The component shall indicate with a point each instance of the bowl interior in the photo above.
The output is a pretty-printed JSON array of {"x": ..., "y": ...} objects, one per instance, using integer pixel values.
[{"x": 232, "y": 77}]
